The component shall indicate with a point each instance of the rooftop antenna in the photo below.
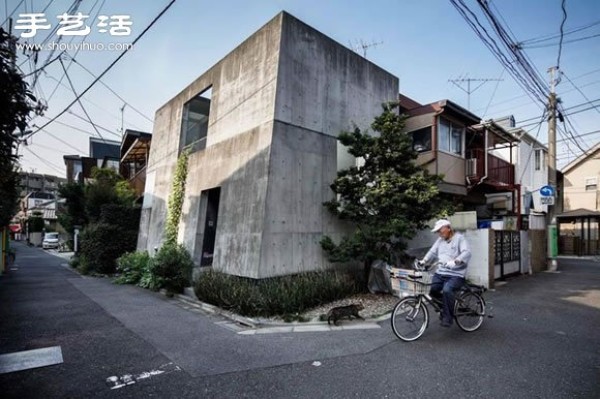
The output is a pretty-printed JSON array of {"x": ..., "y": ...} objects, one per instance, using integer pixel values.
[
  {"x": 458, "y": 83},
  {"x": 122, "y": 117},
  {"x": 361, "y": 45}
]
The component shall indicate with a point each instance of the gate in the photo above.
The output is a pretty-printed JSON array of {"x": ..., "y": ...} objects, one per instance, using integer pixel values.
[{"x": 507, "y": 254}]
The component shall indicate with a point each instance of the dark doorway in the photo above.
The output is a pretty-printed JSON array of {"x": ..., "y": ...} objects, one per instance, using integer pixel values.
[{"x": 210, "y": 226}]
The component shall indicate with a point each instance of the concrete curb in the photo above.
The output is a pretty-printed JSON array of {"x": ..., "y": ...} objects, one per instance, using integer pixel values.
[{"x": 265, "y": 326}]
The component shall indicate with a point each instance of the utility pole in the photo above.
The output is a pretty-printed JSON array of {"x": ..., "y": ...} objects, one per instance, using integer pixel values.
[
  {"x": 468, "y": 90},
  {"x": 552, "y": 181}
]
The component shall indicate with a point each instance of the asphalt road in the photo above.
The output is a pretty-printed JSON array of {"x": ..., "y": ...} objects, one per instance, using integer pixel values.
[{"x": 543, "y": 342}]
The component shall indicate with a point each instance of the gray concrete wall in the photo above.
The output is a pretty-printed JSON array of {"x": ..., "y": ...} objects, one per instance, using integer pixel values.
[
  {"x": 240, "y": 167},
  {"x": 239, "y": 129},
  {"x": 160, "y": 169},
  {"x": 278, "y": 102},
  {"x": 323, "y": 88}
]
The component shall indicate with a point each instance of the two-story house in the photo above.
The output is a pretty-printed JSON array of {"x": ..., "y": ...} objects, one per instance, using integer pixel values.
[
  {"x": 531, "y": 171},
  {"x": 579, "y": 224},
  {"x": 102, "y": 154},
  {"x": 454, "y": 142}
]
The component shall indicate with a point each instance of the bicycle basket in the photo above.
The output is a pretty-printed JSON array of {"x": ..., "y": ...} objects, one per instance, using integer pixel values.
[
  {"x": 402, "y": 287},
  {"x": 424, "y": 281}
]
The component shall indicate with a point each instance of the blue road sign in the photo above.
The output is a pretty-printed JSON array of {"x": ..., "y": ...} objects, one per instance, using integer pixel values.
[{"x": 547, "y": 191}]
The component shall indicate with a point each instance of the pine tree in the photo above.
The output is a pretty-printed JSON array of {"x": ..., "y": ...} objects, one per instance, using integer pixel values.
[{"x": 388, "y": 199}]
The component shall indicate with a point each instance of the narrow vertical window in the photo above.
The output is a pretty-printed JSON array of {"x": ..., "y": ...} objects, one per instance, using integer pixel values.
[{"x": 194, "y": 122}]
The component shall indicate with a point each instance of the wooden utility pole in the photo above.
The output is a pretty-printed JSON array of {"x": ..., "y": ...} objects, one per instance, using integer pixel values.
[{"x": 552, "y": 181}]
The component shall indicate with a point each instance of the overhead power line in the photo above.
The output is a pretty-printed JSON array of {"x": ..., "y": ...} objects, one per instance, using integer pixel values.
[
  {"x": 46, "y": 162},
  {"x": 562, "y": 35},
  {"x": 566, "y": 109},
  {"x": 108, "y": 68},
  {"x": 13, "y": 12},
  {"x": 556, "y": 36},
  {"x": 114, "y": 92},
  {"x": 79, "y": 100},
  {"x": 581, "y": 92},
  {"x": 566, "y": 41}
]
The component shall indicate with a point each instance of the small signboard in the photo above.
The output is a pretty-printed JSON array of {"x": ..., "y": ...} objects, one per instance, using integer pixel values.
[{"x": 547, "y": 200}]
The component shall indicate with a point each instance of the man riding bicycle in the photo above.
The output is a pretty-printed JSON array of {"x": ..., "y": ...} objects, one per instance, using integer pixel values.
[{"x": 453, "y": 255}]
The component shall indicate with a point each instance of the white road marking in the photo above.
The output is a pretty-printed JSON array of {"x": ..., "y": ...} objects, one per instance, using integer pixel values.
[
  {"x": 115, "y": 382},
  {"x": 30, "y": 359}
]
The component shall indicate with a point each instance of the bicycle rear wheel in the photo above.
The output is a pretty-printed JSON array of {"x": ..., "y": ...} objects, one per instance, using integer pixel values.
[
  {"x": 409, "y": 319},
  {"x": 469, "y": 311}
]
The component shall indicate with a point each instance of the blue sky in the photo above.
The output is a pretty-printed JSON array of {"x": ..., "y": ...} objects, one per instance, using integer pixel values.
[{"x": 423, "y": 42}]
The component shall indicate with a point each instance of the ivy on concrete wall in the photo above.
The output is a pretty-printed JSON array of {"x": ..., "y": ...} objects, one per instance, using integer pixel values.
[{"x": 176, "y": 198}]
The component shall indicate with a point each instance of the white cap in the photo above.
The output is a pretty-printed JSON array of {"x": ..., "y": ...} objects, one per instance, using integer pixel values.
[{"x": 439, "y": 224}]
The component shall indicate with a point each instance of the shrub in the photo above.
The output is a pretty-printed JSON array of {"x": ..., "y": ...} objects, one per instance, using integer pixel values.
[
  {"x": 131, "y": 267},
  {"x": 74, "y": 262},
  {"x": 125, "y": 216},
  {"x": 102, "y": 244},
  {"x": 284, "y": 296},
  {"x": 173, "y": 266},
  {"x": 149, "y": 280}
]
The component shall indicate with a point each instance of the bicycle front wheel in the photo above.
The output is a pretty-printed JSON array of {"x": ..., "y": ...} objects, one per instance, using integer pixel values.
[
  {"x": 409, "y": 319},
  {"x": 469, "y": 311}
]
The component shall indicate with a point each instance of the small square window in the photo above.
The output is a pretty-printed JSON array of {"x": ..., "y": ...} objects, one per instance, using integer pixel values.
[
  {"x": 591, "y": 184},
  {"x": 421, "y": 139}
]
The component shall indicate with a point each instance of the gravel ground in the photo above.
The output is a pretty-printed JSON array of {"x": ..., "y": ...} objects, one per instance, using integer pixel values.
[{"x": 375, "y": 305}]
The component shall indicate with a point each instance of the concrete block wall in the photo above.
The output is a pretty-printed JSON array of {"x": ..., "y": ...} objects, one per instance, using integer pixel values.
[{"x": 539, "y": 252}]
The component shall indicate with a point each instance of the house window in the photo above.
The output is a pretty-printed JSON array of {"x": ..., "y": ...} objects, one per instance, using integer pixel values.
[
  {"x": 591, "y": 184},
  {"x": 194, "y": 122},
  {"x": 450, "y": 137},
  {"x": 421, "y": 139},
  {"x": 540, "y": 159}
]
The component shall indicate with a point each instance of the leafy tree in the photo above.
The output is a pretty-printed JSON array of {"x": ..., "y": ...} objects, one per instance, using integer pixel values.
[
  {"x": 36, "y": 222},
  {"x": 388, "y": 199},
  {"x": 16, "y": 103},
  {"x": 106, "y": 188},
  {"x": 73, "y": 213}
]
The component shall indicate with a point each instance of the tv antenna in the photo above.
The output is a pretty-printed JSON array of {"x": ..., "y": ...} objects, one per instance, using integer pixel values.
[
  {"x": 458, "y": 83},
  {"x": 361, "y": 45},
  {"x": 122, "y": 117}
]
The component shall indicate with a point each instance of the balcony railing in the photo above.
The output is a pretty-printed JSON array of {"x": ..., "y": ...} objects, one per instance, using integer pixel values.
[{"x": 499, "y": 172}]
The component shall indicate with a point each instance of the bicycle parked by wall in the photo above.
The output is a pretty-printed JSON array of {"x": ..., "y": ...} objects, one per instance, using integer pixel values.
[{"x": 410, "y": 316}]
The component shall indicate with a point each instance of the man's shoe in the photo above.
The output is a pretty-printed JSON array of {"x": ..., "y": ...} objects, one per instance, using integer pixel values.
[{"x": 446, "y": 324}]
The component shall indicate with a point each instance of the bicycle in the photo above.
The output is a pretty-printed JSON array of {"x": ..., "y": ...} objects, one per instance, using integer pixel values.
[
  {"x": 410, "y": 317},
  {"x": 63, "y": 247}
]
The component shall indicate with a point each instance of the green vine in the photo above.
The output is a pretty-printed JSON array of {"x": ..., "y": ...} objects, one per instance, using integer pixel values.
[{"x": 176, "y": 198}]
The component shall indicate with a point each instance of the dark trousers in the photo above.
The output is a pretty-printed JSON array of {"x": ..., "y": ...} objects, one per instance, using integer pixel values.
[{"x": 447, "y": 285}]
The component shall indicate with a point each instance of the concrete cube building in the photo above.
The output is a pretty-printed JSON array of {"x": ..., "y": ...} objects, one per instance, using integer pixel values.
[{"x": 262, "y": 127}]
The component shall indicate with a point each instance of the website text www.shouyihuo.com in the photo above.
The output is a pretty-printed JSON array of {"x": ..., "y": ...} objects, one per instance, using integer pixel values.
[{"x": 84, "y": 46}]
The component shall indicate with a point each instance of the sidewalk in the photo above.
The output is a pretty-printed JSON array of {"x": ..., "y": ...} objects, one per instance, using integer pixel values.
[{"x": 250, "y": 326}]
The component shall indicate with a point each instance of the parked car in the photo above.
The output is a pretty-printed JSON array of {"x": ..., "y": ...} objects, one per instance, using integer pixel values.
[{"x": 50, "y": 241}]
